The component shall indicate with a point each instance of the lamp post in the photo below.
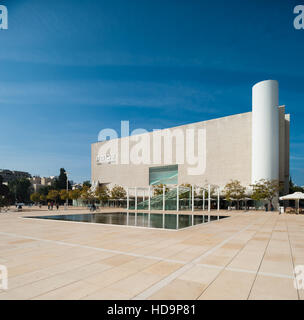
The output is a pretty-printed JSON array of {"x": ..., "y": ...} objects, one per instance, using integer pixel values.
[{"x": 67, "y": 189}]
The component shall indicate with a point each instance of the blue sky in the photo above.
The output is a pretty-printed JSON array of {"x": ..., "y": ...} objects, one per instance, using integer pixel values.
[{"x": 70, "y": 68}]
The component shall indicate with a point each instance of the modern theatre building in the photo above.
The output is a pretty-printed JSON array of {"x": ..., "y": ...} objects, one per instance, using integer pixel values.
[{"x": 245, "y": 147}]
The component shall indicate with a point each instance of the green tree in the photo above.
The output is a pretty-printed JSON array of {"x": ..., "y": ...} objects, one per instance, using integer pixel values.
[
  {"x": 265, "y": 190},
  {"x": 61, "y": 182},
  {"x": 53, "y": 195},
  {"x": 64, "y": 194},
  {"x": 21, "y": 189},
  {"x": 87, "y": 194},
  {"x": 35, "y": 197},
  {"x": 4, "y": 194},
  {"x": 159, "y": 189},
  {"x": 234, "y": 191},
  {"x": 102, "y": 193},
  {"x": 205, "y": 191},
  {"x": 75, "y": 194},
  {"x": 87, "y": 183},
  {"x": 43, "y": 198},
  {"x": 187, "y": 194},
  {"x": 44, "y": 190},
  {"x": 118, "y": 192},
  {"x": 293, "y": 187}
]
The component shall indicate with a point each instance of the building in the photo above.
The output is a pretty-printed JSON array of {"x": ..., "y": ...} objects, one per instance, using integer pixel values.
[
  {"x": 245, "y": 147},
  {"x": 10, "y": 175},
  {"x": 39, "y": 182}
]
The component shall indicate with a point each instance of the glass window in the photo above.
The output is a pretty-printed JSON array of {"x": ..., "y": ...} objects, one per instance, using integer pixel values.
[{"x": 163, "y": 175}]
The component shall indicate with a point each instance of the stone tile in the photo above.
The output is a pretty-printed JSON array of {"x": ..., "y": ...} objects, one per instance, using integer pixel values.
[
  {"x": 74, "y": 291},
  {"x": 179, "y": 290},
  {"x": 271, "y": 288},
  {"x": 229, "y": 285}
]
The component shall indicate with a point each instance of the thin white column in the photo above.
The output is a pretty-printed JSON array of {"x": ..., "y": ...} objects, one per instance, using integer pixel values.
[
  {"x": 192, "y": 220},
  {"x": 192, "y": 194},
  {"x": 144, "y": 195},
  {"x": 128, "y": 203},
  {"x": 164, "y": 191},
  {"x": 218, "y": 199},
  {"x": 149, "y": 198},
  {"x": 209, "y": 199},
  {"x": 135, "y": 198},
  {"x": 163, "y": 221},
  {"x": 177, "y": 222},
  {"x": 149, "y": 220},
  {"x": 177, "y": 198}
]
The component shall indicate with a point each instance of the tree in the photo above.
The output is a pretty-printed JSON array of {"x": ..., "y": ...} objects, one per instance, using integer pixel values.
[
  {"x": 61, "y": 182},
  {"x": 159, "y": 189},
  {"x": 265, "y": 190},
  {"x": 35, "y": 197},
  {"x": 102, "y": 193},
  {"x": 64, "y": 194},
  {"x": 75, "y": 194},
  {"x": 234, "y": 191},
  {"x": 87, "y": 183},
  {"x": 4, "y": 194},
  {"x": 294, "y": 188},
  {"x": 118, "y": 192},
  {"x": 53, "y": 195},
  {"x": 21, "y": 189},
  {"x": 43, "y": 198},
  {"x": 205, "y": 191},
  {"x": 186, "y": 194},
  {"x": 44, "y": 190},
  {"x": 87, "y": 194}
]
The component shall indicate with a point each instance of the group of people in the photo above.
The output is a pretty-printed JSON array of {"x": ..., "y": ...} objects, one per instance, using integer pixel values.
[{"x": 51, "y": 205}]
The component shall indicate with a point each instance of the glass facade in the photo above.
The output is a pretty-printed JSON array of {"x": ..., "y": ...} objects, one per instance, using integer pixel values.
[{"x": 163, "y": 175}]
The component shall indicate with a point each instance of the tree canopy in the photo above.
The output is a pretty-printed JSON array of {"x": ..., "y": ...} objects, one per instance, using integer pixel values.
[
  {"x": 61, "y": 181},
  {"x": 265, "y": 190},
  {"x": 118, "y": 192}
]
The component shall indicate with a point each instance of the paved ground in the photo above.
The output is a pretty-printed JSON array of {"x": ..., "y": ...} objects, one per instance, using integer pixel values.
[{"x": 246, "y": 256}]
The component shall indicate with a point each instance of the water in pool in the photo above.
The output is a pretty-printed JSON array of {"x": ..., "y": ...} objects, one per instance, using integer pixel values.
[{"x": 152, "y": 220}]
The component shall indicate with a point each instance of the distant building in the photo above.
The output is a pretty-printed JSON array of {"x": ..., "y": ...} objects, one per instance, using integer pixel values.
[
  {"x": 9, "y": 175},
  {"x": 39, "y": 182},
  {"x": 77, "y": 186}
]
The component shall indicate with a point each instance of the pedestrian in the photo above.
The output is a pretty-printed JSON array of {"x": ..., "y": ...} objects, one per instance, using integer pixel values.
[
  {"x": 49, "y": 205},
  {"x": 52, "y": 205},
  {"x": 57, "y": 206}
]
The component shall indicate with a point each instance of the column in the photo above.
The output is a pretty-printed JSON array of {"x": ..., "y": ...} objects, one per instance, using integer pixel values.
[
  {"x": 192, "y": 194},
  {"x": 149, "y": 198},
  {"x": 209, "y": 199},
  {"x": 135, "y": 198},
  {"x": 218, "y": 199},
  {"x": 128, "y": 201},
  {"x": 177, "y": 198},
  {"x": 164, "y": 194}
]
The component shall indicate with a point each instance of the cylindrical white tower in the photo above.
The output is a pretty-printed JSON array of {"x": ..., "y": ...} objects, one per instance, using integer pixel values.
[{"x": 265, "y": 131}]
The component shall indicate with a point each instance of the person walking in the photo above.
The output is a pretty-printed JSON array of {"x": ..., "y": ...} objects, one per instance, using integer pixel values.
[
  {"x": 57, "y": 206},
  {"x": 49, "y": 205}
]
